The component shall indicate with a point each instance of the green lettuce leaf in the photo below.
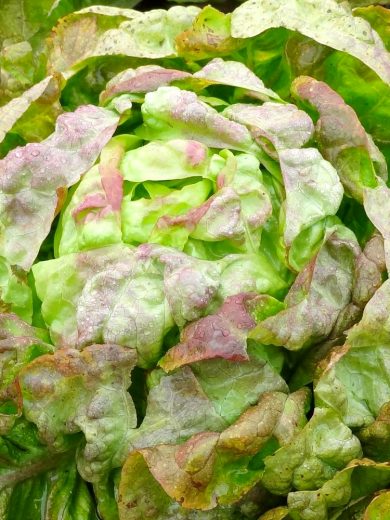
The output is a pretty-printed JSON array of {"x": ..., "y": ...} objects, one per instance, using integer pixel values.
[
  {"x": 240, "y": 384},
  {"x": 148, "y": 78},
  {"x": 177, "y": 407},
  {"x": 71, "y": 391},
  {"x": 279, "y": 513},
  {"x": 281, "y": 130},
  {"x": 222, "y": 334},
  {"x": 313, "y": 456},
  {"x": 203, "y": 471},
  {"x": 313, "y": 190},
  {"x": 345, "y": 144},
  {"x": 171, "y": 414},
  {"x": 59, "y": 493},
  {"x": 32, "y": 114},
  {"x": 358, "y": 85},
  {"x": 33, "y": 176},
  {"x": 143, "y": 218},
  {"x": 378, "y": 18},
  {"x": 107, "y": 31},
  {"x": 145, "y": 78},
  {"x": 23, "y": 456},
  {"x": 360, "y": 479},
  {"x": 208, "y": 36},
  {"x": 357, "y": 3},
  {"x": 92, "y": 218},
  {"x": 23, "y": 28},
  {"x": 330, "y": 23},
  {"x": 369, "y": 270},
  {"x": 19, "y": 344},
  {"x": 79, "y": 281},
  {"x": 235, "y": 74},
  {"x": 346, "y": 383},
  {"x": 15, "y": 294},
  {"x": 320, "y": 292},
  {"x": 180, "y": 289},
  {"x": 379, "y": 198},
  {"x": 162, "y": 161},
  {"x": 368, "y": 277},
  {"x": 378, "y": 507},
  {"x": 234, "y": 215},
  {"x": 375, "y": 437},
  {"x": 282, "y": 125},
  {"x": 170, "y": 113}
]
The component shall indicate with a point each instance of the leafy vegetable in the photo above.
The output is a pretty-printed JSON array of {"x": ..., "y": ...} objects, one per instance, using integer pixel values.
[
  {"x": 194, "y": 252},
  {"x": 330, "y": 23}
]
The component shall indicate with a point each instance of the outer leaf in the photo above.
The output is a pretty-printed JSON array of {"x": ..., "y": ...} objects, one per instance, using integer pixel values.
[
  {"x": 379, "y": 507},
  {"x": 23, "y": 26},
  {"x": 106, "y": 31},
  {"x": 374, "y": 326},
  {"x": 375, "y": 437},
  {"x": 379, "y": 197},
  {"x": 209, "y": 36},
  {"x": 177, "y": 408},
  {"x": 146, "y": 78},
  {"x": 313, "y": 190},
  {"x": 59, "y": 493},
  {"x": 235, "y": 74},
  {"x": 329, "y": 22},
  {"x": 17, "y": 63},
  {"x": 23, "y": 20},
  {"x": 342, "y": 138},
  {"x": 15, "y": 294},
  {"x": 105, "y": 491},
  {"x": 88, "y": 297},
  {"x": 378, "y": 18},
  {"x": 240, "y": 384},
  {"x": 31, "y": 176},
  {"x": 171, "y": 113},
  {"x": 92, "y": 218},
  {"x": 320, "y": 292},
  {"x": 369, "y": 270},
  {"x": 19, "y": 115},
  {"x": 346, "y": 384},
  {"x": 19, "y": 344},
  {"x": 279, "y": 513},
  {"x": 12, "y": 326},
  {"x": 314, "y": 455},
  {"x": 23, "y": 456},
  {"x": 366, "y": 2},
  {"x": 218, "y": 335},
  {"x": 209, "y": 468},
  {"x": 347, "y": 388},
  {"x": 358, "y": 85},
  {"x": 284, "y": 126},
  {"x": 358, "y": 480},
  {"x": 193, "y": 400},
  {"x": 86, "y": 300},
  {"x": 69, "y": 392}
]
